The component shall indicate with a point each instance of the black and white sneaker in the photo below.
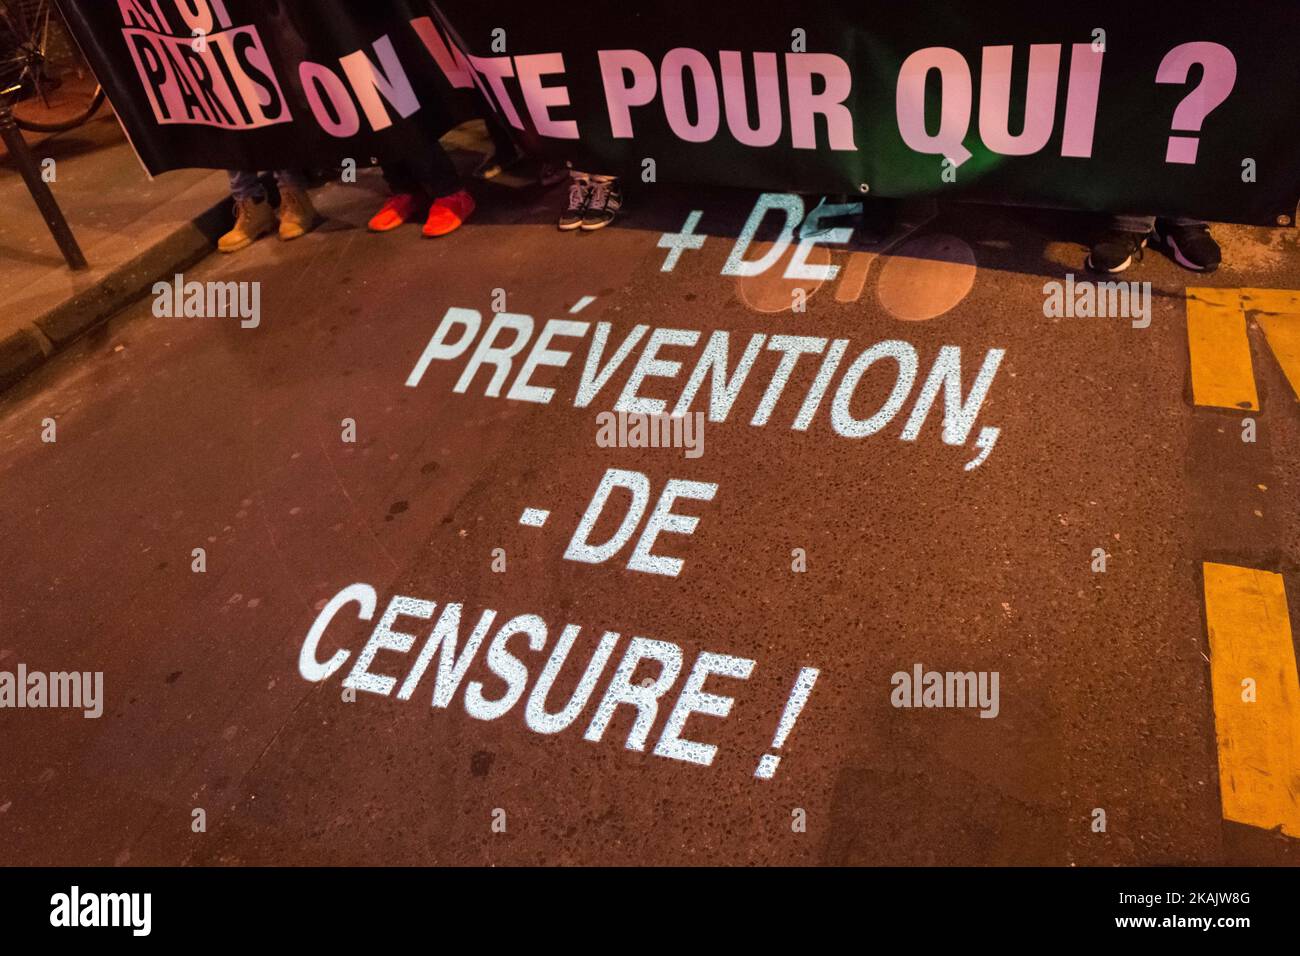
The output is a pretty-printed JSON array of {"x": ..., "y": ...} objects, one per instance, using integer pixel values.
[
  {"x": 606, "y": 201},
  {"x": 579, "y": 198},
  {"x": 1115, "y": 251},
  {"x": 1191, "y": 245}
]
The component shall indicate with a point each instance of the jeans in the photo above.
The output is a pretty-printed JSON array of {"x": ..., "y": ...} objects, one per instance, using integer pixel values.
[
  {"x": 245, "y": 184},
  {"x": 1144, "y": 224}
]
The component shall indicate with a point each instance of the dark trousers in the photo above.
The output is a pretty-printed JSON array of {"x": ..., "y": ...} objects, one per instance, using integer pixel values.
[
  {"x": 502, "y": 144},
  {"x": 1144, "y": 224},
  {"x": 431, "y": 171}
]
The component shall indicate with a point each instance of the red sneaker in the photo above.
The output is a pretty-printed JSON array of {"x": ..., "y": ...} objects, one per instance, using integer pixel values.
[
  {"x": 448, "y": 212},
  {"x": 397, "y": 209}
]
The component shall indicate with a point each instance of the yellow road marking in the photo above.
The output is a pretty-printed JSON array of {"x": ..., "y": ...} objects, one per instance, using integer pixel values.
[
  {"x": 1259, "y": 740},
  {"x": 1282, "y": 301},
  {"x": 1222, "y": 373},
  {"x": 1283, "y": 334}
]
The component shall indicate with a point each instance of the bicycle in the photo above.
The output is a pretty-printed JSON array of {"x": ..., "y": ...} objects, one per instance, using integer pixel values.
[{"x": 42, "y": 72}]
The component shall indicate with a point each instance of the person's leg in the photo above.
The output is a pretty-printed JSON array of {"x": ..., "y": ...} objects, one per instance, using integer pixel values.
[
  {"x": 291, "y": 178},
  {"x": 605, "y": 203},
  {"x": 1125, "y": 222},
  {"x": 579, "y": 196},
  {"x": 1123, "y": 240},
  {"x": 407, "y": 199},
  {"x": 399, "y": 176},
  {"x": 501, "y": 141},
  {"x": 452, "y": 204},
  {"x": 1189, "y": 243},
  {"x": 297, "y": 214},
  {"x": 504, "y": 151},
  {"x": 253, "y": 214},
  {"x": 245, "y": 185},
  {"x": 438, "y": 173}
]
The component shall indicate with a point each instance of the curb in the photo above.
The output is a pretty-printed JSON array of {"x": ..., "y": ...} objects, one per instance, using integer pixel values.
[{"x": 29, "y": 348}]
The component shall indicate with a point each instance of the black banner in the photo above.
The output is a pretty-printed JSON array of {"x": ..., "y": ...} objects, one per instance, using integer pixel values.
[{"x": 1191, "y": 109}]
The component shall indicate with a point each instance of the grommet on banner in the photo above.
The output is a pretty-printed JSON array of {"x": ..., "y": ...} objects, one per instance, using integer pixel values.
[
  {"x": 863, "y": 187},
  {"x": 1284, "y": 220}
]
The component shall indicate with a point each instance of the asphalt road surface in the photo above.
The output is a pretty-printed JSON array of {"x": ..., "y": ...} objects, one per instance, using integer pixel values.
[{"x": 298, "y": 458}]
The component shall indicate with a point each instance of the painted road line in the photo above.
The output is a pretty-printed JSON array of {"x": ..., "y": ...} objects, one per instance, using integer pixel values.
[
  {"x": 1283, "y": 335},
  {"x": 1222, "y": 373},
  {"x": 854, "y": 277},
  {"x": 1280, "y": 301},
  {"x": 1278, "y": 314},
  {"x": 534, "y": 517},
  {"x": 1257, "y": 724}
]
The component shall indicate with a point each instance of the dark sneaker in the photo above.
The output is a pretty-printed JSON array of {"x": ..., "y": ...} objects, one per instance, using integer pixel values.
[
  {"x": 1115, "y": 251},
  {"x": 1192, "y": 246},
  {"x": 606, "y": 200},
  {"x": 579, "y": 197},
  {"x": 490, "y": 168},
  {"x": 496, "y": 164}
]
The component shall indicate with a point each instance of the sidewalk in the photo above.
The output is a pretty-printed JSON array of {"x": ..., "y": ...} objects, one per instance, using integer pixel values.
[{"x": 132, "y": 230}]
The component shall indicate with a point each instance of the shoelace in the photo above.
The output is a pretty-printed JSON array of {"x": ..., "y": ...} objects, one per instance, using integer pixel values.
[
  {"x": 599, "y": 194},
  {"x": 578, "y": 195}
]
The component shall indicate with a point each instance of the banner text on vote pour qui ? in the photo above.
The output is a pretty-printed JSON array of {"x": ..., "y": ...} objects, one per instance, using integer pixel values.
[{"x": 1065, "y": 111}]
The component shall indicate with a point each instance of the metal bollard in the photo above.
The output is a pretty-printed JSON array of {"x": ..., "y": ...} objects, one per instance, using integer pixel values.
[{"x": 40, "y": 190}]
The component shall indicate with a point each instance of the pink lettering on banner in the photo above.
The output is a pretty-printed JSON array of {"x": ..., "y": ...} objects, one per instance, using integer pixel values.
[{"x": 220, "y": 79}]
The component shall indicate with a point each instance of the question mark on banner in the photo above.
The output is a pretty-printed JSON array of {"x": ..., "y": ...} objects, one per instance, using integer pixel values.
[{"x": 1220, "y": 76}]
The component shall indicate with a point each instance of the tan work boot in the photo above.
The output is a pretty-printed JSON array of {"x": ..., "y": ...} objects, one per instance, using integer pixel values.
[
  {"x": 297, "y": 214},
  {"x": 252, "y": 221}
]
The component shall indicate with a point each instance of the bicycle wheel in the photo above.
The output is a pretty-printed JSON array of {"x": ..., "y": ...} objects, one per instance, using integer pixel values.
[
  {"x": 55, "y": 91},
  {"x": 66, "y": 112}
]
